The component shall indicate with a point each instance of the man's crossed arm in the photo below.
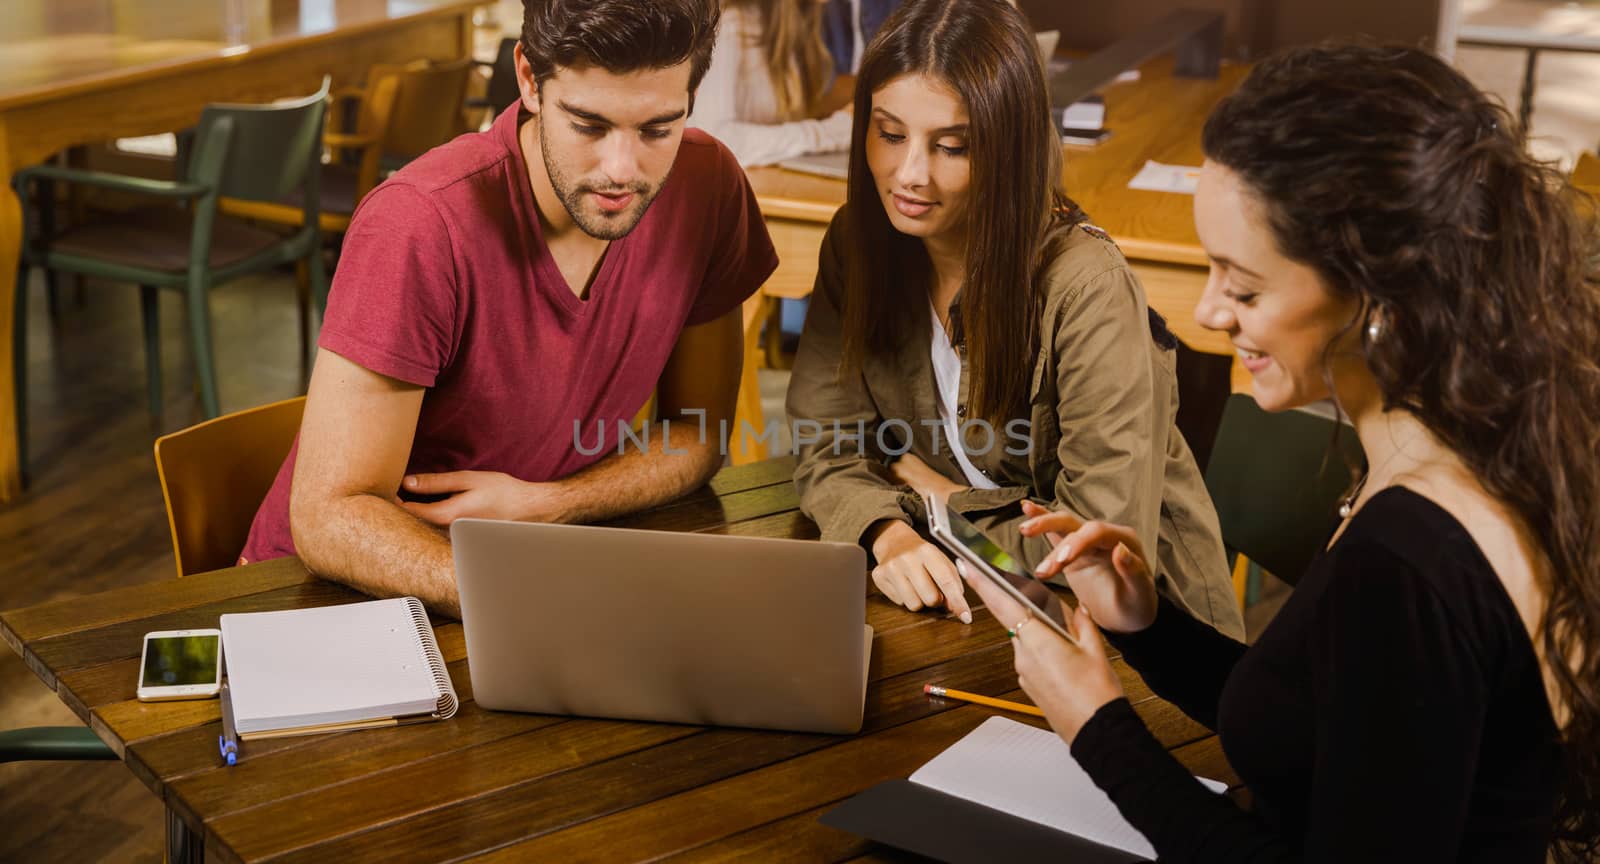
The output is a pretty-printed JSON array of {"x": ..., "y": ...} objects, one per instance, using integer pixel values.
[{"x": 350, "y": 525}]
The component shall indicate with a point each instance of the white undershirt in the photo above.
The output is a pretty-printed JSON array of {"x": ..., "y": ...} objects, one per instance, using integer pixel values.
[{"x": 947, "y": 374}]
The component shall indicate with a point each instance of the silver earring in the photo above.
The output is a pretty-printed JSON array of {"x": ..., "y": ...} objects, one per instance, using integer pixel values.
[{"x": 1374, "y": 329}]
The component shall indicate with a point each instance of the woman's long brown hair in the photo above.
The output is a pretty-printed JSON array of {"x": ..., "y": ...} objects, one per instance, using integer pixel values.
[
  {"x": 791, "y": 45},
  {"x": 986, "y": 52},
  {"x": 1402, "y": 185}
]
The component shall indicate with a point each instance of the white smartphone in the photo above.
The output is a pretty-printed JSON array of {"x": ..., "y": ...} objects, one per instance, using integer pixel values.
[
  {"x": 963, "y": 538},
  {"x": 180, "y": 664}
]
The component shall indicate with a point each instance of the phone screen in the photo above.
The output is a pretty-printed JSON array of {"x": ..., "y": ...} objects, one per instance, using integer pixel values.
[
  {"x": 988, "y": 551},
  {"x": 180, "y": 661}
]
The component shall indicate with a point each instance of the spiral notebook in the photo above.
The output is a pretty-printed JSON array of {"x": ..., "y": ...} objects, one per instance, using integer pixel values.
[{"x": 332, "y": 668}]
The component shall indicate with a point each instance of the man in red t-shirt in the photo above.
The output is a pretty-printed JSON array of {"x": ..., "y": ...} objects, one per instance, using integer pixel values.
[{"x": 509, "y": 300}]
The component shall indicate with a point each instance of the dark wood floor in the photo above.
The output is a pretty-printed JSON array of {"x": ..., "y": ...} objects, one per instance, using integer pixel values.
[{"x": 92, "y": 519}]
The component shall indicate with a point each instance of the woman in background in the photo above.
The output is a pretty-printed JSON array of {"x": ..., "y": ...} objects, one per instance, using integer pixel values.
[
  {"x": 1431, "y": 691},
  {"x": 766, "y": 94}
]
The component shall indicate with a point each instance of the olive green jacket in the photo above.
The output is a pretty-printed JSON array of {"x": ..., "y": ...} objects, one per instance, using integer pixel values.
[{"x": 1100, "y": 442}]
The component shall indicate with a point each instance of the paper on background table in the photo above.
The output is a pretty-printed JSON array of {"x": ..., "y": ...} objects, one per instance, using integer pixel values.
[
  {"x": 1056, "y": 65},
  {"x": 1030, "y": 773},
  {"x": 1160, "y": 177}
]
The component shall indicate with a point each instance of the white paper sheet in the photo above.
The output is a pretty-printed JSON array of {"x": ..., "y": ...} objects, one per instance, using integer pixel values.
[
  {"x": 1160, "y": 177},
  {"x": 1030, "y": 773}
]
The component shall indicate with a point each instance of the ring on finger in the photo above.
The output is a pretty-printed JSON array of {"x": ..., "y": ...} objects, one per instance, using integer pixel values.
[{"x": 1016, "y": 629}]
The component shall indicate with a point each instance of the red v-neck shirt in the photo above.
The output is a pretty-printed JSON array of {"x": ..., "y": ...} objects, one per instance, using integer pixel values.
[{"x": 445, "y": 282}]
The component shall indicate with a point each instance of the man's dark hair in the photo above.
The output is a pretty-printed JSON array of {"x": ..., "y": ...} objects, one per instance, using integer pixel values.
[{"x": 619, "y": 35}]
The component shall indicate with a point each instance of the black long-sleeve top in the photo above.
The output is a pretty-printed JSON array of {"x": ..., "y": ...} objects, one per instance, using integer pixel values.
[{"x": 1393, "y": 711}]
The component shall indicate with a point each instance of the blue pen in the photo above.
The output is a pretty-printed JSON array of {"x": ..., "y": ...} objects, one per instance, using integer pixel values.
[{"x": 228, "y": 741}]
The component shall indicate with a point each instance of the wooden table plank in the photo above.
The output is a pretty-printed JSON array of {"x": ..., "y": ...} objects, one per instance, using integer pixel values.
[
  {"x": 521, "y": 812},
  {"x": 58, "y": 617},
  {"x": 126, "y": 638},
  {"x": 516, "y": 812},
  {"x": 767, "y": 472},
  {"x": 704, "y": 510},
  {"x": 541, "y": 797},
  {"x": 409, "y": 790},
  {"x": 510, "y": 785},
  {"x": 799, "y": 838},
  {"x": 792, "y": 525},
  {"x": 749, "y": 800},
  {"x": 161, "y": 760}
]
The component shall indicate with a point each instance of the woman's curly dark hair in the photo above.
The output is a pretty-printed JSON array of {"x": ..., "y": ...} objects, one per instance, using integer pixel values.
[{"x": 1402, "y": 185}]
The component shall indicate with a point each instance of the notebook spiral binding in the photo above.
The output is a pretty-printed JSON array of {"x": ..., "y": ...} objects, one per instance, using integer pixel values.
[{"x": 434, "y": 658}]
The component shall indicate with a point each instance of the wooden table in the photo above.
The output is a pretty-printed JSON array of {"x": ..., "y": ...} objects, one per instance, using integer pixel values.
[
  {"x": 78, "y": 71},
  {"x": 521, "y": 786}
]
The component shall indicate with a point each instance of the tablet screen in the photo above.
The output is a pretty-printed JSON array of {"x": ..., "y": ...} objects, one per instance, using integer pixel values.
[{"x": 1034, "y": 592}]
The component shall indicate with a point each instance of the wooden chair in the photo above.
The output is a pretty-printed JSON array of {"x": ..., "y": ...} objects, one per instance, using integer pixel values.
[
  {"x": 214, "y": 476},
  {"x": 1586, "y": 173},
  {"x": 1276, "y": 483},
  {"x": 52, "y": 744},
  {"x": 429, "y": 109}
]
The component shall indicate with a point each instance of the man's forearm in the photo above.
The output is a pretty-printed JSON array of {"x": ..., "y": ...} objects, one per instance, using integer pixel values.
[
  {"x": 372, "y": 545},
  {"x": 672, "y": 465}
]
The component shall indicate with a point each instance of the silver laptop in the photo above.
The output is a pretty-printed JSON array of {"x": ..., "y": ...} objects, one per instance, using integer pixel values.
[{"x": 659, "y": 625}]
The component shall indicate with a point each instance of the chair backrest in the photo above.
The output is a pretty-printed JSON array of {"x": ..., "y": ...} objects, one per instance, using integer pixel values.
[
  {"x": 260, "y": 152},
  {"x": 1586, "y": 173},
  {"x": 214, "y": 475},
  {"x": 427, "y": 107},
  {"x": 372, "y": 123},
  {"x": 503, "y": 88},
  {"x": 1276, "y": 480}
]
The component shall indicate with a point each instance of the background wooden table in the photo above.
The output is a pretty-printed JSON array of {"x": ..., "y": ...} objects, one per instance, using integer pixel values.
[
  {"x": 78, "y": 71},
  {"x": 523, "y": 786}
]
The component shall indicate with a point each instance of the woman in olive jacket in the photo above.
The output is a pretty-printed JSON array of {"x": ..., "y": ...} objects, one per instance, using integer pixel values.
[{"x": 962, "y": 297}]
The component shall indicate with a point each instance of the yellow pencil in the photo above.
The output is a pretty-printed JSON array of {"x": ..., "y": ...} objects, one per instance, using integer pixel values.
[{"x": 964, "y": 696}]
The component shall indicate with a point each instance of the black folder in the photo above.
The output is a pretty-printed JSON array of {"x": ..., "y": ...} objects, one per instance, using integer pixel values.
[{"x": 918, "y": 819}]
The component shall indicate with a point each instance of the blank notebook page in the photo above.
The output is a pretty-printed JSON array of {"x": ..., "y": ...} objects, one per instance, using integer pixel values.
[
  {"x": 333, "y": 664},
  {"x": 1030, "y": 773}
]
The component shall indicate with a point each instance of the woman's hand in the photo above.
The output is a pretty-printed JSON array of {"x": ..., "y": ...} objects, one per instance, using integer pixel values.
[
  {"x": 1070, "y": 681},
  {"x": 1103, "y": 564},
  {"x": 914, "y": 573},
  {"x": 912, "y": 471}
]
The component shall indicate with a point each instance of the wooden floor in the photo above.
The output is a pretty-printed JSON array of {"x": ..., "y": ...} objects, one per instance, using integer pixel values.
[{"x": 92, "y": 519}]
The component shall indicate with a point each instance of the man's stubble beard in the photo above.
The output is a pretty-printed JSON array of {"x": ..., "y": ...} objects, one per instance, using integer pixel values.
[{"x": 572, "y": 195}]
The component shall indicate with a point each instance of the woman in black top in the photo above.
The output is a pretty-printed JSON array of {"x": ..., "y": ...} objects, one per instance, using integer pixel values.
[{"x": 1431, "y": 691}]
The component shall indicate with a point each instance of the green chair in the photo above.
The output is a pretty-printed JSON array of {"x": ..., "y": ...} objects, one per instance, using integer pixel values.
[
  {"x": 53, "y": 744},
  {"x": 502, "y": 89},
  {"x": 245, "y": 152},
  {"x": 1276, "y": 480}
]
